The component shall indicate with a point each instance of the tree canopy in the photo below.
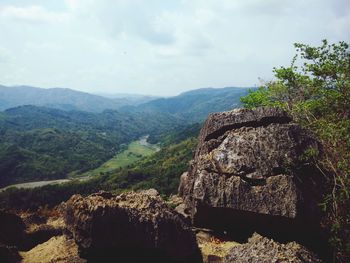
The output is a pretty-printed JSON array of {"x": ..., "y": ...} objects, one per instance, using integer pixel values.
[{"x": 315, "y": 90}]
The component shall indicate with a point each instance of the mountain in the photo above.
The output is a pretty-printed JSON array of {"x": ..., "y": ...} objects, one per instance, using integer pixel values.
[
  {"x": 160, "y": 170},
  {"x": 64, "y": 99},
  {"x": 38, "y": 143},
  {"x": 194, "y": 105},
  {"x": 128, "y": 99}
]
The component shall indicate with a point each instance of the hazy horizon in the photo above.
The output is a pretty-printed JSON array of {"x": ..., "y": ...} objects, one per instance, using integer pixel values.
[
  {"x": 158, "y": 47},
  {"x": 121, "y": 94}
]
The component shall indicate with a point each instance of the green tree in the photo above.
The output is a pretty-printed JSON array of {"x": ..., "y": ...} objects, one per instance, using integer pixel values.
[{"x": 315, "y": 90}]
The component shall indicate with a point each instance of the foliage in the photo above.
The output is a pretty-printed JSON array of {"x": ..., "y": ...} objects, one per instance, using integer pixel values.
[
  {"x": 160, "y": 170},
  {"x": 177, "y": 135},
  {"x": 132, "y": 153},
  {"x": 315, "y": 90},
  {"x": 46, "y": 196},
  {"x": 39, "y": 143},
  {"x": 194, "y": 106}
]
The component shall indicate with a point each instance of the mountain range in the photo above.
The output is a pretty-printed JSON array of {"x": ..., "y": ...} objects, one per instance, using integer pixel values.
[
  {"x": 49, "y": 133},
  {"x": 193, "y": 105},
  {"x": 65, "y": 99}
]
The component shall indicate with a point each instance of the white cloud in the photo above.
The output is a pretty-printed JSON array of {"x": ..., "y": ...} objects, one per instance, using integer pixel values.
[
  {"x": 144, "y": 46},
  {"x": 32, "y": 14}
]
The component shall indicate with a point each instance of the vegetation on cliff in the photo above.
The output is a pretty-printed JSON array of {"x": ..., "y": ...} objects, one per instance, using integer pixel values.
[
  {"x": 41, "y": 143},
  {"x": 160, "y": 170},
  {"x": 38, "y": 143},
  {"x": 315, "y": 90}
]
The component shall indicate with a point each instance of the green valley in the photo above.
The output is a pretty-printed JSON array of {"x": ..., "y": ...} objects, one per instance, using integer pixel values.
[
  {"x": 38, "y": 143},
  {"x": 160, "y": 170},
  {"x": 43, "y": 144},
  {"x": 135, "y": 151}
]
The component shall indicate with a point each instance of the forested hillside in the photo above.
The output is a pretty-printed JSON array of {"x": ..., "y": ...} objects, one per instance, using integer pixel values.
[
  {"x": 194, "y": 105},
  {"x": 41, "y": 143},
  {"x": 160, "y": 170}
]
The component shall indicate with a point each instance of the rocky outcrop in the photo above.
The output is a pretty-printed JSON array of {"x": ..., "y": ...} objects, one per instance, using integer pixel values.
[
  {"x": 130, "y": 227},
  {"x": 56, "y": 249},
  {"x": 40, "y": 234},
  {"x": 252, "y": 171},
  {"x": 259, "y": 249},
  {"x": 12, "y": 229},
  {"x": 214, "y": 248}
]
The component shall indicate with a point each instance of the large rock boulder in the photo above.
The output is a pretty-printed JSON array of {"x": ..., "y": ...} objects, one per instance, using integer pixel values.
[
  {"x": 260, "y": 249},
  {"x": 252, "y": 171},
  {"x": 131, "y": 227}
]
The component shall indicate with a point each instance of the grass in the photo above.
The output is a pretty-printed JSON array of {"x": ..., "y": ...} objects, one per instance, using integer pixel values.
[{"x": 135, "y": 151}]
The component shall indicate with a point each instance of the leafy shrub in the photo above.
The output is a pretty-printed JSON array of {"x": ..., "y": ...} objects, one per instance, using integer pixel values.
[{"x": 317, "y": 94}]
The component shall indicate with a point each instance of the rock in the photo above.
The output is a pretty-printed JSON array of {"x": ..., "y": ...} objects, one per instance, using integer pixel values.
[
  {"x": 9, "y": 254},
  {"x": 150, "y": 192},
  {"x": 213, "y": 248},
  {"x": 57, "y": 249},
  {"x": 263, "y": 250},
  {"x": 40, "y": 234},
  {"x": 252, "y": 171},
  {"x": 130, "y": 227},
  {"x": 26, "y": 233},
  {"x": 31, "y": 219},
  {"x": 183, "y": 183},
  {"x": 11, "y": 229},
  {"x": 177, "y": 202}
]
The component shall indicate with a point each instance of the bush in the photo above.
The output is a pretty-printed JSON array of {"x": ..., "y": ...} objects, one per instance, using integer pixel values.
[{"x": 317, "y": 95}]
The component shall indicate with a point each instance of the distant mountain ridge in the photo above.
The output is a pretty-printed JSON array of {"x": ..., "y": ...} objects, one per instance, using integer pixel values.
[
  {"x": 62, "y": 98},
  {"x": 194, "y": 105}
]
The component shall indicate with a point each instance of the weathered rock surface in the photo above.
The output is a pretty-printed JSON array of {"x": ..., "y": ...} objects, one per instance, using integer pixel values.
[
  {"x": 131, "y": 227},
  {"x": 214, "y": 248},
  {"x": 254, "y": 161},
  {"x": 40, "y": 234},
  {"x": 178, "y": 203},
  {"x": 57, "y": 249},
  {"x": 263, "y": 250},
  {"x": 252, "y": 172}
]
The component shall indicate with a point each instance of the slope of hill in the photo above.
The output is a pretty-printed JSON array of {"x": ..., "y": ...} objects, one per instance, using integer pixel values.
[
  {"x": 194, "y": 105},
  {"x": 64, "y": 99},
  {"x": 160, "y": 170},
  {"x": 128, "y": 99},
  {"x": 38, "y": 143}
]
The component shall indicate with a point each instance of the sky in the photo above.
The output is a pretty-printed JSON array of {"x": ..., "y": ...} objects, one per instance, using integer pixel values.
[{"x": 158, "y": 47}]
